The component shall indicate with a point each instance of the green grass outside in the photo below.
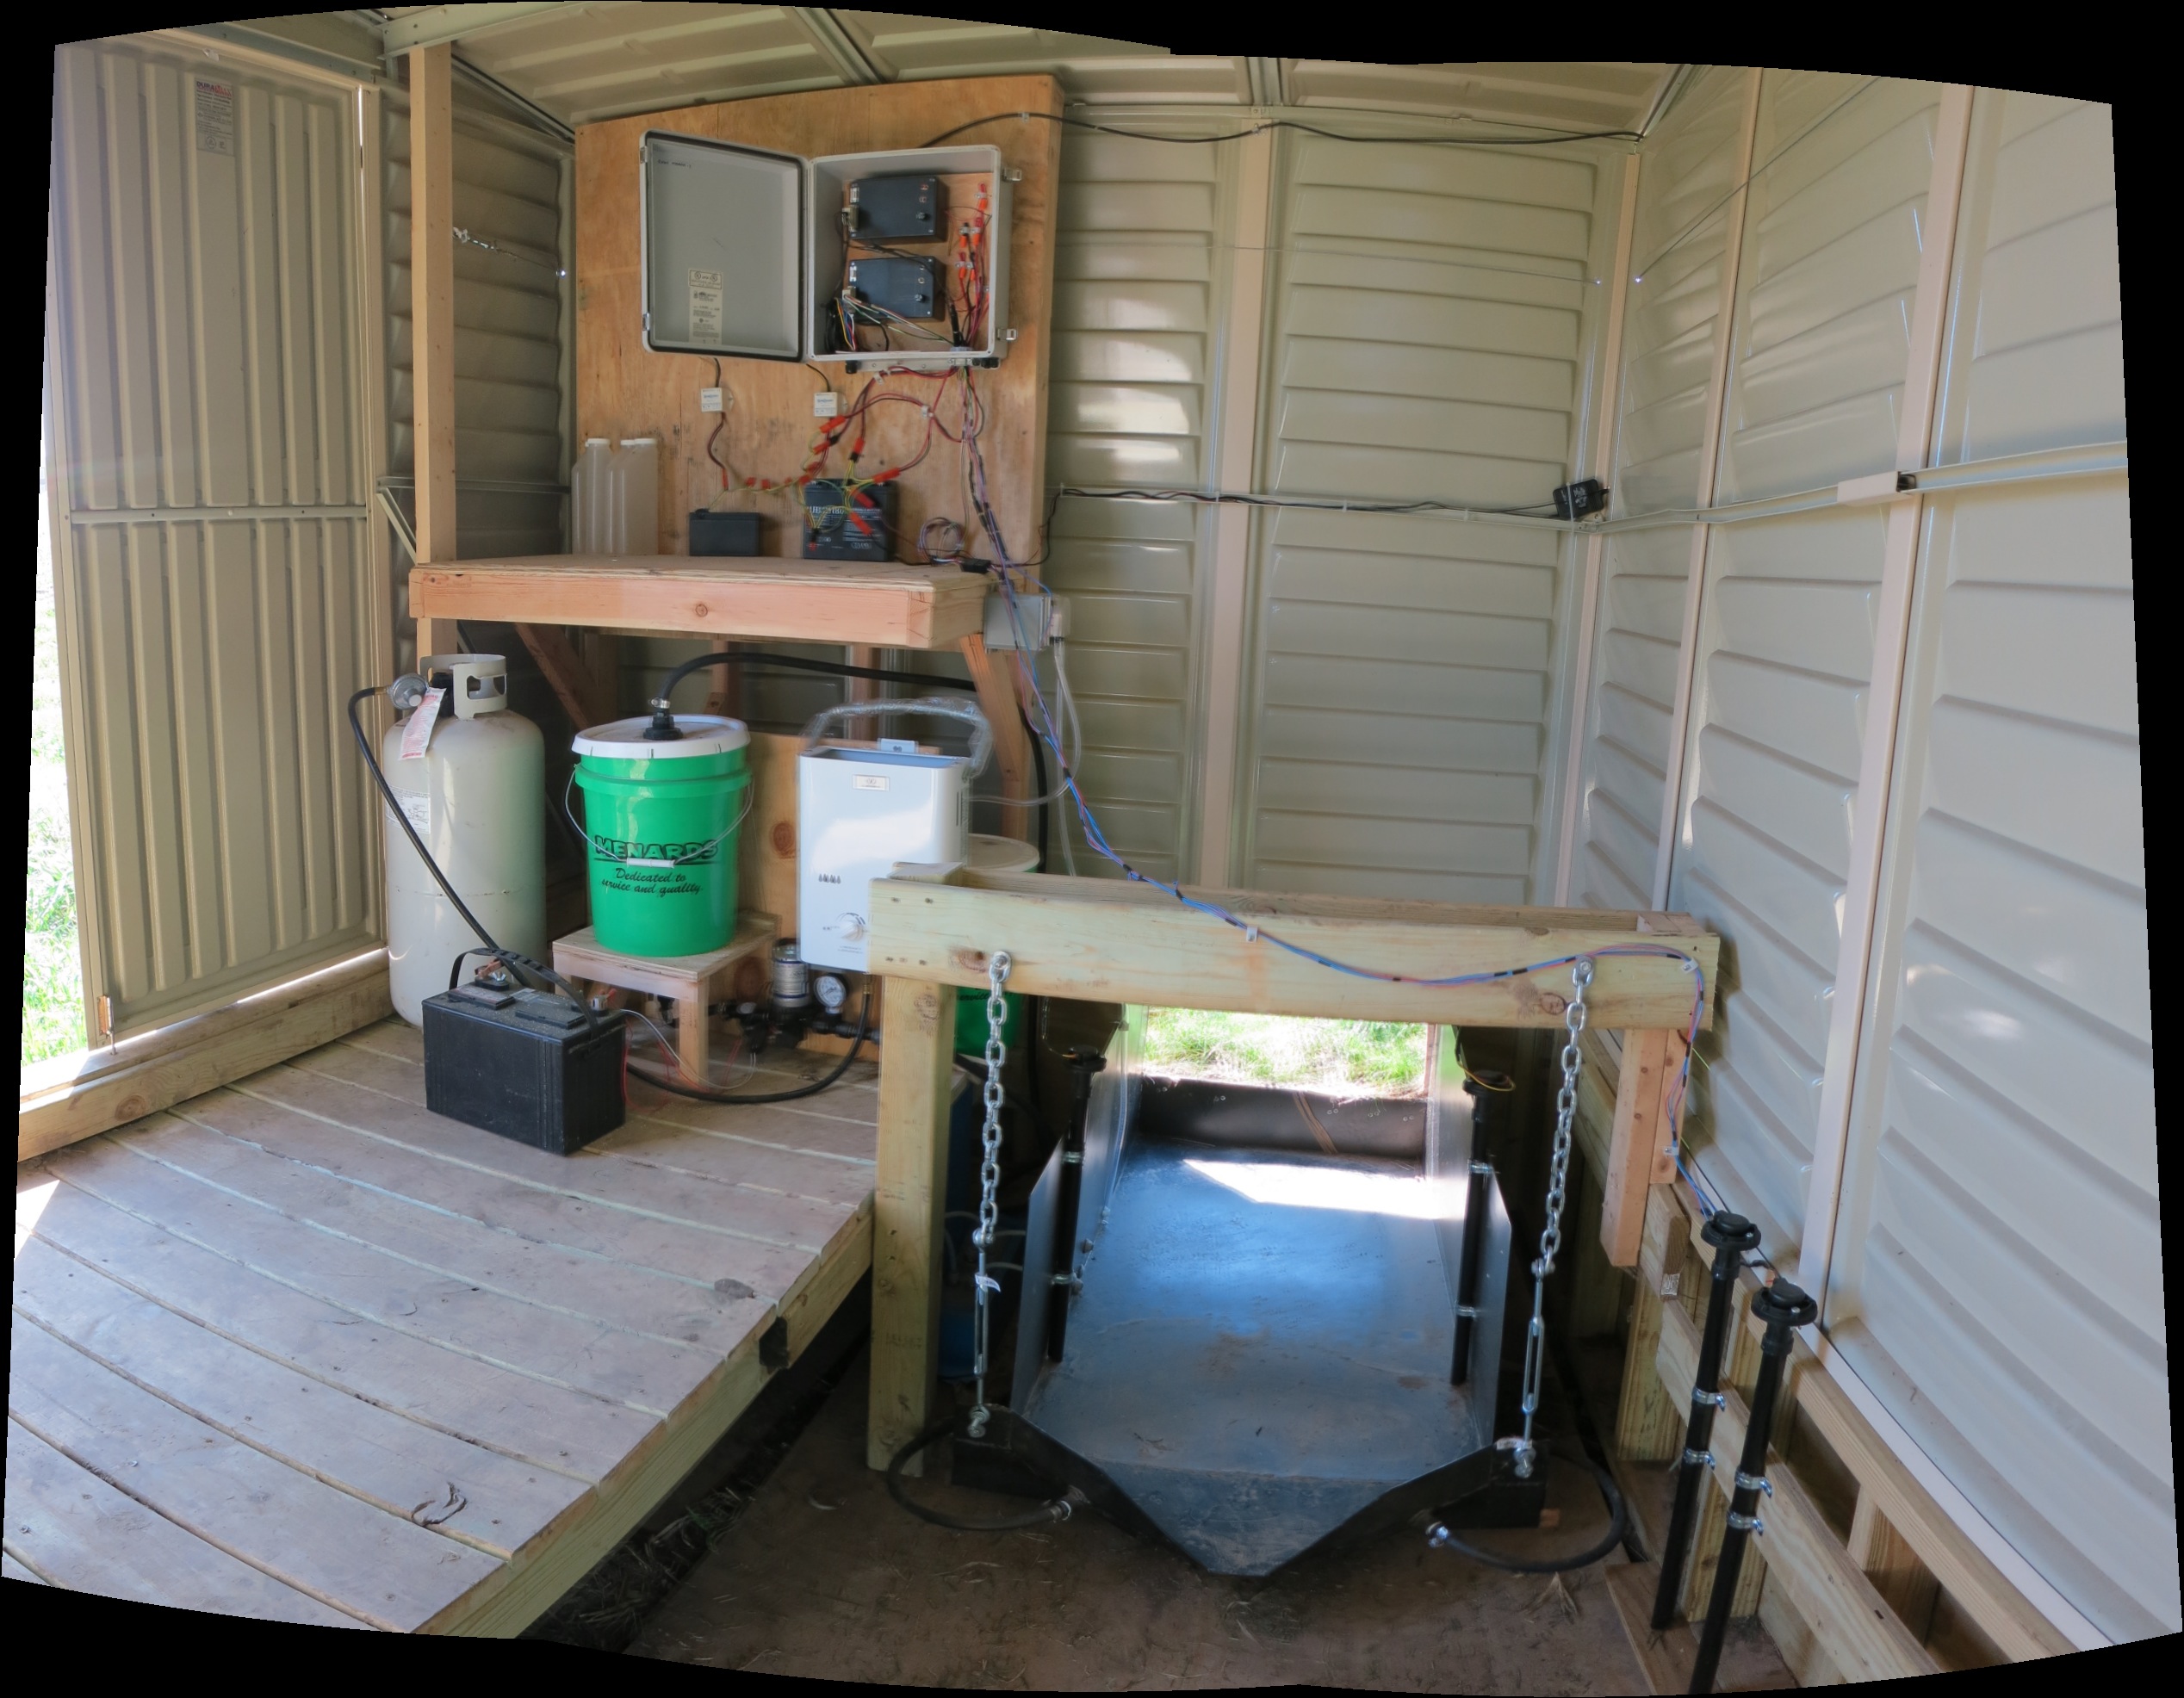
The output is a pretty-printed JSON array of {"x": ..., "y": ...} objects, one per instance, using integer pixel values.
[
  {"x": 52, "y": 982},
  {"x": 1343, "y": 1059}
]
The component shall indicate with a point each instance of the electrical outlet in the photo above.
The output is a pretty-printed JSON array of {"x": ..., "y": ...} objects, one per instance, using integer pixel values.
[
  {"x": 709, "y": 400},
  {"x": 825, "y": 404}
]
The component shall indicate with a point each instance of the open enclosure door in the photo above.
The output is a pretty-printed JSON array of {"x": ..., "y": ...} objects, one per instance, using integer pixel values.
[{"x": 215, "y": 598}]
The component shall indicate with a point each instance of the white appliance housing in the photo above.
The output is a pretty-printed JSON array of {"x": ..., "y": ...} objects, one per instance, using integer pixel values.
[{"x": 859, "y": 811}]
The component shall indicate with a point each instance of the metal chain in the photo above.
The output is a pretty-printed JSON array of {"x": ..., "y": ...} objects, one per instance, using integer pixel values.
[
  {"x": 1557, "y": 1174},
  {"x": 984, "y": 1236}
]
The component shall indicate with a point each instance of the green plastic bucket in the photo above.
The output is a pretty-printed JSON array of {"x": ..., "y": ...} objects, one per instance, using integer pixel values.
[
  {"x": 970, "y": 1021},
  {"x": 661, "y": 821}
]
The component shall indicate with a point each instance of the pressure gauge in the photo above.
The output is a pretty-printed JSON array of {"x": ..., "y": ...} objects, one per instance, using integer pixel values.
[{"x": 832, "y": 993}]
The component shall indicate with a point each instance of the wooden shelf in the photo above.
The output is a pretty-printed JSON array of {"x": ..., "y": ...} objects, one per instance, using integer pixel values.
[{"x": 883, "y": 605}]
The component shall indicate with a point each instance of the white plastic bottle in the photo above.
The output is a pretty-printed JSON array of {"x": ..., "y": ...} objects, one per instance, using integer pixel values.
[
  {"x": 477, "y": 797},
  {"x": 587, "y": 510},
  {"x": 633, "y": 498}
]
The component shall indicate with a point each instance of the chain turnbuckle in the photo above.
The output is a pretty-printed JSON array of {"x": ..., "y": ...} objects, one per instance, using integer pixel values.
[
  {"x": 984, "y": 1236},
  {"x": 1565, "y": 1110}
]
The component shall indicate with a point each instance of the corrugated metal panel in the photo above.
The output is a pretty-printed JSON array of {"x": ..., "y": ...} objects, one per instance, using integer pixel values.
[
  {"x": 1574, "y": 95},
  {"x": 1138, "y": 291},
  {"x": 510, "y": 323},
  {"x": 1688, "y": 171},
  {"x": 588, "y": 62},
  {"x": 1784, "y": 655},
  {"x": 584, "y": 63},
  {"x": 1831, "y": 262},
  {"x": 207, "y": 299},
  {"x": 1997, "y": 1274},
  {"x": 1432, "y": 311}
]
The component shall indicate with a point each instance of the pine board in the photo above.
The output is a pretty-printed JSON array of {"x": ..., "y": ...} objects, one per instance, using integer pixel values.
[{"x": 300, "y": 1349}]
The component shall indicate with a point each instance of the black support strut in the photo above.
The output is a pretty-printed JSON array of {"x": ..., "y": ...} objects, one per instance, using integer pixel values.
[
  {"x": 1782, "y": 1308},
  {"x": 1734, "y": 1238},
  {"x": 1083, "y": 1063}
]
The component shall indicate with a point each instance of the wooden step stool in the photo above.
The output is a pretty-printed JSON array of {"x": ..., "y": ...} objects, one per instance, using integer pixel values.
[{"x": 737, "y": 973}]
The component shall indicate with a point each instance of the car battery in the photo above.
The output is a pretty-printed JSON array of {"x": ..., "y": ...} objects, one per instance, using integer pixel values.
[
  {"x": 848, "y": 522},
  {"x": 528, "y": 1066}
]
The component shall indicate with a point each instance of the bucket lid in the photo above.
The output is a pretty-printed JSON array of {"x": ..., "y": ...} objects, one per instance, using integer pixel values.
[
  {"x": 1001, "y": 854},
  {"x": 702, "y": 734}
]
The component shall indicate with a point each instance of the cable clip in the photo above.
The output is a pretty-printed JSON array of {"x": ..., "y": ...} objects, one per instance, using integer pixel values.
[
  {"x": 1692, "y": 1456},
  {"x": 1712, "y": 1399},
  {"x": 1754, "y": 1483},
  {"x": 1250, "y": 934},
  {"x": 1746, "y": 1523}
]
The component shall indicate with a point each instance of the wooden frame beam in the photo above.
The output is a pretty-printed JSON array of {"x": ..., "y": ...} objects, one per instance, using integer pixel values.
[
  {"x": 431, "y": 177},
  {"x": 1107, "y": 941}
]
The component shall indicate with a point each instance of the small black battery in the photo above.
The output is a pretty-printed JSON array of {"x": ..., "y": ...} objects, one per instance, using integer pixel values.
[
  {"x": 910, "y": 288},
  {"x": 848, "y": 523},
  {"x": 712, "y": 533},
  {"x": 895, "y": 208},
  {"x": 524, "y": 1065}
]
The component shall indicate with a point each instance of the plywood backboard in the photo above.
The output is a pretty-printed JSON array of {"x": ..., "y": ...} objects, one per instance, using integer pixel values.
[{"x": 623, "y": 390}]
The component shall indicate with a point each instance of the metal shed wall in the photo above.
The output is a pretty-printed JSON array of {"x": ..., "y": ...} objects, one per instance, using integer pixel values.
[
  {"x": 1990, "y": 1258},
  {"x": 1784, "y": 650},
  {"x": 514, "y": 346},
  {"x": 1689, "y": 168},
  {"x": 1434, "y": 314},
  {"x": 1142, "y": 262},
  {"x": 1996, "y": 1274}
]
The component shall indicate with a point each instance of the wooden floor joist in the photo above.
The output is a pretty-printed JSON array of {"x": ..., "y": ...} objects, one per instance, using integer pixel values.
[{"x": 299, "y": 1349}]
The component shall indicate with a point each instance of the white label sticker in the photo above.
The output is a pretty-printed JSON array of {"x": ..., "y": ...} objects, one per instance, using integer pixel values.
[
  {"x": 215, "y": 117},
  {"x": 417, "y": 732},
  {"x": 416, "y": 808},
  {"x": 868, "y": 781},
  {"x": 704, "y": 305}
]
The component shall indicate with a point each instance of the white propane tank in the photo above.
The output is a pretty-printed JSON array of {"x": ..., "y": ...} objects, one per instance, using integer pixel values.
[{"x": 477, "y": 796}]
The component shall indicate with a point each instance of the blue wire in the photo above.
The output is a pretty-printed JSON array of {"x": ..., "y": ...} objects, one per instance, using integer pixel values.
[{"x": 1097, "y": 839}]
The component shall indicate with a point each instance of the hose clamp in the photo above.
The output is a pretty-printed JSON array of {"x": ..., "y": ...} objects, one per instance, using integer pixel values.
[
  {"x": 1709, "y": 1399},
  {"x": 1694, "y": 1457},
  {"x": 1746, "y": 1523},
  {"x": 1753, "y": 1483}
]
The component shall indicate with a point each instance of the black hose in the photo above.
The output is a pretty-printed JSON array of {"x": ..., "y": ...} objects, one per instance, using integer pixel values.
[
  {"x": 667, "y": 1082},
  {"x": 1054, "y": 1509},
  {"x": 797, "y": 663},
  {"x": 1440, "y": 1534}
]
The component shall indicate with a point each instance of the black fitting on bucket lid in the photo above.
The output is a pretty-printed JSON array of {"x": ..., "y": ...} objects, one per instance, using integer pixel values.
[
  {"x": 663, "y": 729},
  {"x": 1780, "y": 1307},
  {"x": 1726, "y": 1231}
]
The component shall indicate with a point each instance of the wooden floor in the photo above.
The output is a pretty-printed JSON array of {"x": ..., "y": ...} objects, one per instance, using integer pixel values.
[{"x": 300, "y": 1349}]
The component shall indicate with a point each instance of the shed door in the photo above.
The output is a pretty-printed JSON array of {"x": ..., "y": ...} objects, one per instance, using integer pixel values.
[{"x": 214, "y": 598}]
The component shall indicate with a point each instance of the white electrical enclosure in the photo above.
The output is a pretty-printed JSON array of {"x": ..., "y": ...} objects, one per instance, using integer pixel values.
[
  {"x": 745, "y": 254},
  {"x": 859, "y": 812}
]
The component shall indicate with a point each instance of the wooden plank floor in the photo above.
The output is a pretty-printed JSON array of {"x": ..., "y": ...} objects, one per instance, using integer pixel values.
[{"x": 300, "y": 1349}]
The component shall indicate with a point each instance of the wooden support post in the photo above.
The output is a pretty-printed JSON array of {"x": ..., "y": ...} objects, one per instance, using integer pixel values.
[
  {"x": 433, "y": 319},
  {"x": 1012, "y": 748},
  {"x": 1892, "y": 1566},
  {"x": 1864, "y": 1637},
  {"x": 917, "y": 1058},
  {"x": 1649, "y": 1426},
  {"x": 574, "y": 683},
  {"x": 1638, "y": 1145}
]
